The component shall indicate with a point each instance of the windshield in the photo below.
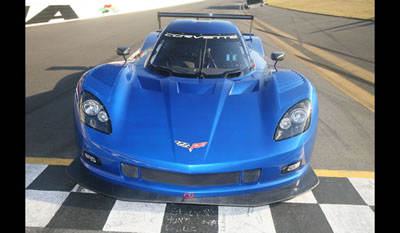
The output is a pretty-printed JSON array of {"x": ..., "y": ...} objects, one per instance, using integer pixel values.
[{"x": 200, "y": 56}]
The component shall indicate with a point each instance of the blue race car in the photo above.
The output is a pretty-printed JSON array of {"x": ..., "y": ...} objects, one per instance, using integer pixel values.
[{"x": 196, "y": 116}]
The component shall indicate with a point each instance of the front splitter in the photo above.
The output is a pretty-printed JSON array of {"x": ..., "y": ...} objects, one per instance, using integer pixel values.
[{"x": 81, "y": 175}]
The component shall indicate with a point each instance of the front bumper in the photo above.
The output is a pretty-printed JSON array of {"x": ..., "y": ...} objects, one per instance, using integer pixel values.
[{"x": 78, "y": 172}]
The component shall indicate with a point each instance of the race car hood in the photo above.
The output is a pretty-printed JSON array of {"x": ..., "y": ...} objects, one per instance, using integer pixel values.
[{"x": 193, "y": 121}]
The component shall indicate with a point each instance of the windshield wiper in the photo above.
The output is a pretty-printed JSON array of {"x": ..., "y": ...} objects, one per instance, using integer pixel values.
[
  {"x": 162, "y": 70},
  {"x": 174, "y": 71},
  {"x": 200, "y": 73}
]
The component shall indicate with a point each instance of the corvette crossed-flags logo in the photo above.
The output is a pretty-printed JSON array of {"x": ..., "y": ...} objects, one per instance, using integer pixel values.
[{"x": 187, "y": 145}]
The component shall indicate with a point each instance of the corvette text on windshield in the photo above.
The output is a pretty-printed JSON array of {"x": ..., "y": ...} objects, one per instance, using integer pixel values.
[{"x": 206, "y": 37}]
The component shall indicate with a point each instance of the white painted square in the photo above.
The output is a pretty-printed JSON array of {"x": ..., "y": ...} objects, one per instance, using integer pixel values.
[
  {"x": 245, "y": 219},
  {"x": 349, "y": 218},
  {"x": 366, "y": 188},
  {"x": 32, "y": 171},
  {"x": 81, "y": 189},
  {"x": 135, "y": 217},
  {"x": 41, "y": 206},
  {"x": 307, "y": 197}
]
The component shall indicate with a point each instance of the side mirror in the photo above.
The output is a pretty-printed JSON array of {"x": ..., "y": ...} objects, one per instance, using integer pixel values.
[
  {"x": 277, "y": 56},
  {"x": 123, "y": 51}
]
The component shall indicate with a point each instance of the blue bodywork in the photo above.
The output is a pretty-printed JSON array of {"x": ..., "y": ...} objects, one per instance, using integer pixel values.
[{"x": 237, "y": 117}]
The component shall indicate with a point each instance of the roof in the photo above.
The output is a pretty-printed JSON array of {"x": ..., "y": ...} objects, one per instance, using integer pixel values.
[{"x": 202, "y": 26}]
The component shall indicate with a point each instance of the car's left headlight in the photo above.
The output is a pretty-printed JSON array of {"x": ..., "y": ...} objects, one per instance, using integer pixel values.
[
  {"x": 295, "y": 121},
  {"x": 93, "y": 113}
]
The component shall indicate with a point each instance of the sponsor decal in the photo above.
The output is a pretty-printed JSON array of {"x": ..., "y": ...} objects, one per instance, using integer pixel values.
[
  {"x": 107, "y": 8},
  {"x": 52, "y": 12},
  {"x": 206, "y": 37},
  {"x": 193, "y": 146},
  {"x": 188, "y": 195}
]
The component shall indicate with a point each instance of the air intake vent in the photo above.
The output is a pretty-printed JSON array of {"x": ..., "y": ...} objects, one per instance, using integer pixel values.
[
  {"x": 130, "y": 171},
  {"x": 190, "y": 179}
]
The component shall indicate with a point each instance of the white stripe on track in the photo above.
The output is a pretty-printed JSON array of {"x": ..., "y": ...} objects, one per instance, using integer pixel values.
[
  {"x": 245, "y": 219},
  {"x": 135, "y": 217}
]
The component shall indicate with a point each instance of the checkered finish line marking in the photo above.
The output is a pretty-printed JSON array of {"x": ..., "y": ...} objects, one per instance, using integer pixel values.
[{"x": 53, "y": 201}]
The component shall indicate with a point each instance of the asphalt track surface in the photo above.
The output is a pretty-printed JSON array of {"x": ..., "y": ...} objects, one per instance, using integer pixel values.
[{"x": 58, "y": 54}]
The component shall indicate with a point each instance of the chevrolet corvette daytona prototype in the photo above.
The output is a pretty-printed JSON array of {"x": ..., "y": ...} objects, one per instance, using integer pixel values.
[{"x": 197, "y": 115}]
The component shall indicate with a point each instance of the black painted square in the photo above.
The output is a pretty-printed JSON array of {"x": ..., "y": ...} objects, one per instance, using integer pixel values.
[
  {"x": 333, "y": 190},
  {"x": 53, "y": 178},
  {"x": 190, "y": 218},
  {"x": 84, "y": 211},
  {"x": 295, "y": 217}
]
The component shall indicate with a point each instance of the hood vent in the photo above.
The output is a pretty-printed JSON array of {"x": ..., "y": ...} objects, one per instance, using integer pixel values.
[
  {"x": 149, "y": 83},
  {"x": 195, "y": 88},
  {"x": 245, "y": 87}
]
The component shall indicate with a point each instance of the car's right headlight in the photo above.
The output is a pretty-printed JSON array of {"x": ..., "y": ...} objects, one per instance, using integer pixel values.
[
  {"x": 93, "y": 113},
  {"x": 295, "y": 121}
]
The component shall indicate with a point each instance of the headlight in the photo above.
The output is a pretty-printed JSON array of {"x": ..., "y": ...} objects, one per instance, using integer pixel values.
[
  {"x": 295, "y": 121},
  {"x": 93, "y": 113},
  {"x": 91, "y": 107}
]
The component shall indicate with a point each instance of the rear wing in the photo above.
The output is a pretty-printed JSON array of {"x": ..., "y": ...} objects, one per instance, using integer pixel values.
[{"x": 203, "y": 15}]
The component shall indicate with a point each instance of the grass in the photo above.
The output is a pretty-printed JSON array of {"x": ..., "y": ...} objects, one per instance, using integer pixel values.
[{"x": 360, "y": 9}]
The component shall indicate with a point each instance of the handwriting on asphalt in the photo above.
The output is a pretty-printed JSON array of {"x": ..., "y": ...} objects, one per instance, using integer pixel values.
[{"x": 183, "y": 219}]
